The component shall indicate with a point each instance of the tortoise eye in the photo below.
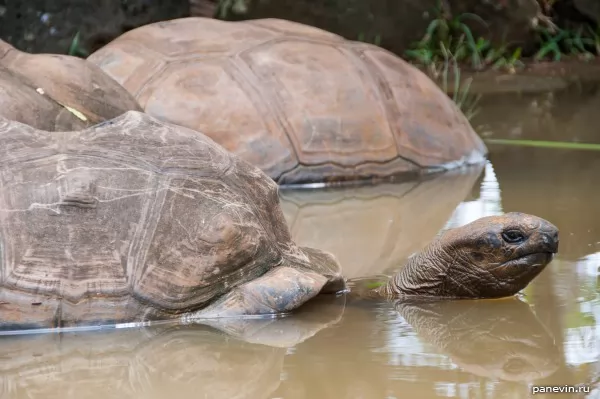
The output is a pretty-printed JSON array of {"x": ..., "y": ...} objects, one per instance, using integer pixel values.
[{"x": 513, "y": 236}]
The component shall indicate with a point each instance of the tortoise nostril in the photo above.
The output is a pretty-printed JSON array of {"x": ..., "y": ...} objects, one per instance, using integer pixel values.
[
  {"x": 555, "y": 239},
  {"x": 552, "y": 241}
]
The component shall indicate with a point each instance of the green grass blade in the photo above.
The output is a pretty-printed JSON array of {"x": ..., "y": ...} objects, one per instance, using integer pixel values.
[
  {"x": 445, "y": 69},
  {"x": 516, "y": 55},
  {"x": 456, "y": 77},
  {"x": 429, "y": 32},
  {"x": 546, "y": 144},
  {"x": 74, "y": 45},
  {"x": 374, "y": 285},
  {"x": 473, "y": 17},
  {"x": 501, "y": 62},
  {"x": 464, "y": 92},
  {"x": 476, "y": 58}
]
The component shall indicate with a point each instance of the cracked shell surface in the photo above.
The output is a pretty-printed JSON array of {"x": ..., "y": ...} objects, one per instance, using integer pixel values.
[
  {"x": 36, "y": 89},
  {"x": 135, "y": 220},
  {"x": 302, "y": 104}
]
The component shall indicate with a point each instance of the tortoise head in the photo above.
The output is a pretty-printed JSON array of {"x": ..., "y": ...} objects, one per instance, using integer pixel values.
[{"x": 494, "y": 256}]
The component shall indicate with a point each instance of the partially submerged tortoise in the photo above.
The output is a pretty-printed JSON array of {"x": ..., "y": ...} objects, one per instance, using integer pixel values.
[
  {"x": 136, "y": 220},
  {"x": 57, "y": 92},
  {"x": 303, "y": 104}
]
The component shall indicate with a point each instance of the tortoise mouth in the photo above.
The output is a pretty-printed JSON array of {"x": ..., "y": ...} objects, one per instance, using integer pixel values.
[
  {"x": 534, "y": 260},
  {"x": 514, "y": 275}
]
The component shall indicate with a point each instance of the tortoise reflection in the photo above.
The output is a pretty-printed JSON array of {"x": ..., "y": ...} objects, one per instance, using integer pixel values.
[
  {"x": 500, "y": 339},
  {"x": 190, "y": 361},
  {"x": 427, "y": 349}
]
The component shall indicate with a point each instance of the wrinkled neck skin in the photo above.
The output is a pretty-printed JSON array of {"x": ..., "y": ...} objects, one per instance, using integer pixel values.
[{"x": 427, "y": 274}]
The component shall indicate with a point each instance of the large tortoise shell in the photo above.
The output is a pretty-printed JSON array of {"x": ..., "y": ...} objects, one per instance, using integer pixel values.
[
  {"x": 129, "y": 217},
  {"x": 57, "y": 92},
  {"x": 301, "y": 103}
]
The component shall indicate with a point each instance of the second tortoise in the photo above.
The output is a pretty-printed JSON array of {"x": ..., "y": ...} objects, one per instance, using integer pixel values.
[
  {"x": 302, "y": 104},
  {"x": 57, "y": 92}
]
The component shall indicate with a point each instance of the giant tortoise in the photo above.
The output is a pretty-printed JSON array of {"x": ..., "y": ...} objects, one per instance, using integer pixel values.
[
  {"x": 57, "y": 92},
  {"x": 301, "y": 103},
  {"x": 135, "y": 220}
]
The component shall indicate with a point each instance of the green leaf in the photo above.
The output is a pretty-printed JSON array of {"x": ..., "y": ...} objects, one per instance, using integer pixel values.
[
  {"x": 74, "y": 47},
  {"x": 472, "y": 16},
  {"x": 374, "y": 285}
]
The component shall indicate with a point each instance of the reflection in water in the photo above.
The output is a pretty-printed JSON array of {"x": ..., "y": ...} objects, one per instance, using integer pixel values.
[
  {"x": 164, "y": 361},
  {"x": 589, "y": 265},
  {"x": 489, "y": 202},
  {"x": 501, "y": 339},
  {"x": 459, "y": 348},
  {"x": 374, "y": 229},
  {"x": 581, "y": 323}
]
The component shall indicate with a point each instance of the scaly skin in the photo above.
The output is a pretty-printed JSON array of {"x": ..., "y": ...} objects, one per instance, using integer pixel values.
[{"x": 492, "y": 257}]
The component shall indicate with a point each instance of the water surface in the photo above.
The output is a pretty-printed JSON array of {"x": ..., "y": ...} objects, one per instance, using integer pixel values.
[{"x": 340, "y": 348}]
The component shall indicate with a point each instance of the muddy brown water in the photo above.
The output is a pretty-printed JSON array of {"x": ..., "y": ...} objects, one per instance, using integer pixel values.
[{"x": 336, "y": 347}]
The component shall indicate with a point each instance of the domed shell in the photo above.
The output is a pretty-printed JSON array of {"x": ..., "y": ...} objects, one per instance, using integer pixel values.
[
  {"x": 301, "y": 103},
  {"x": 129, "y": 220},
  {"x": 58, "y": 92}
]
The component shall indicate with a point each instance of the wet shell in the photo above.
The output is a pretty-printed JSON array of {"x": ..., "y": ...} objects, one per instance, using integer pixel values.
[
  {"x": 301, "y": 103},
  {"x": 133, "y": 220}
]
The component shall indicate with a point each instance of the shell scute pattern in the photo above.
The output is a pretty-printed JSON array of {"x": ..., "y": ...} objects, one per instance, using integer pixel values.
[
  {"x": 207, "y": 240},
  {"x": 58, "y": 92},
  {"x": 133, "y": 215},
  {"x": 215, "y": 95},
  {"x": 332, "y": 121},
  {"x": 302, "y": 104}
]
